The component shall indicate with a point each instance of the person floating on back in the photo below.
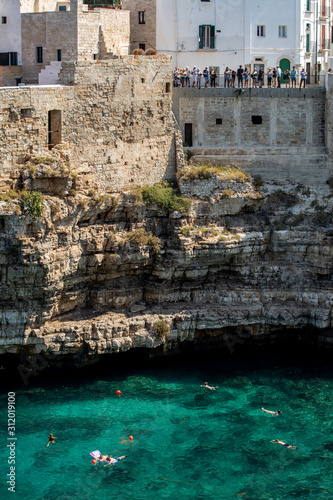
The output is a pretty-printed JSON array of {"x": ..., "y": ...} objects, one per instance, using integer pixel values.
[
  {"x": 208, "y": 386},
  {"x": 289, "y": 446},
  {"x": 51, "y": 439},
  {"x": 272, "y": 412}
]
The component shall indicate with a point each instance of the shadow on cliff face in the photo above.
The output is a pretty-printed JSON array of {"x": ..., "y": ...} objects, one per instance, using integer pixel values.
[{"x": 292, "y": 354}]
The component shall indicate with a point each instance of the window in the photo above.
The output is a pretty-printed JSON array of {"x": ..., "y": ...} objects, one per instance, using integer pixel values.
[
  {"x": 59, "y": 55},
  {"x": 307, "y": 40},
  {"x": 142, "y": 17},
  {"x": 308, "y": 5},
  {"x": 13, "y": 58},
  {"x": 62, "y": 8},
  {"x": 256, "y": 120},
  {"x": 142, "y": 46},
  {"x": 168, "y": 87},
  {"x": 39, "y": 54},
  {"x": 218, "y": 121},
  {"x": 205, "y": 0},
  {"x": 206, "y": 37},
  {"x": 261, "y": 30},
  {"x": 282, "y": 31},
  {"x": 4, "y": 20}
]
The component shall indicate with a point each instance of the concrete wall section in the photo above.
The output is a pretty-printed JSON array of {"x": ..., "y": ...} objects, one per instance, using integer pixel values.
[{"x": 290, "y": 141}]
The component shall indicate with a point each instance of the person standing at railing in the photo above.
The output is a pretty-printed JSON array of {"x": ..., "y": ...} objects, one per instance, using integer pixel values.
[
  {"x": 206, "y": 76},
  {"x": 240, "y": 73},
  {"x": 278, "y": 74},
  {"x": 304, "y": 75},
  {"x": 227, "y": 77},
  {"x": 212, "y": 77},
  {"x": 293, "y": 75}
]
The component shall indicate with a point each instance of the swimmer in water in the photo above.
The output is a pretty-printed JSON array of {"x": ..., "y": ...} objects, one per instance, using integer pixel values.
[
  {"x": 272, "y": 412},
  {"x": 208, "y": 386},
  {"x": 51, "y": 439},
  {"x": 111, "y": 461},
  {"x": 289, "y": 446}
]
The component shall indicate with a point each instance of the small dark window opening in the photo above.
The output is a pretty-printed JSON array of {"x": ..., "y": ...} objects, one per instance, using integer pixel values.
[
  {"x": 59, "y": 55},
  {"x": 95, "y": 57},
  {"x": 218, "y": 121},
  {"x": 142, "y": 46},
  {"x": 4, "y": 20},
  {"x": 142, "y": 17},
  {"x": 62, "y": 8},
  {"x": 13, "y": 58},
  {"x": 26, "y": 113},
  {"x": 39, "y": 52},
  {"x": 167, "y": 87},
  {"x": 256, "y": 120},
  {"x": 142, "y": 80},
  {"x": 18, "y": 80}
]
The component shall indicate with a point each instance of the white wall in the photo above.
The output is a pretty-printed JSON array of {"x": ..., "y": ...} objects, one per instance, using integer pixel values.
[
  {"x": 10, "y": 33},
  {"x": 178, "y": 26}
]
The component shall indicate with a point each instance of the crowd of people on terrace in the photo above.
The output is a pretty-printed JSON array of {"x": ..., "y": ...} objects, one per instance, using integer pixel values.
[{"x": 241, "y": 78}]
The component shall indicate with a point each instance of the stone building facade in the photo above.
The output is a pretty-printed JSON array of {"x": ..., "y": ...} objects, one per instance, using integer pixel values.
[
  {"x": 143, "y": 23},
  {"x": 51, "y": 38},
  {"x": 113, "y": 116}
]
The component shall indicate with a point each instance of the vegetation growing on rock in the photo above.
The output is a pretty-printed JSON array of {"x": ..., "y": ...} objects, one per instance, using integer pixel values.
[
  {"x": 203, "y": 171},
  {"x": 165, "y": 196}
]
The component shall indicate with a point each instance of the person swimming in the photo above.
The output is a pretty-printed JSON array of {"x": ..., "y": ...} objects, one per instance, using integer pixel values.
[
  {"x": 113, "y": 460},
  {"x": 272, "y": 412},
  {"x": 289, "y": 446},
  {"x": 51, "y": 439},
  {"x": 208, "y": 386}
]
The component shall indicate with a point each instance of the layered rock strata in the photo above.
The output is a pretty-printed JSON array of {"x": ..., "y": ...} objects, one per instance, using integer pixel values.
[{"x": 103, "y": 274}]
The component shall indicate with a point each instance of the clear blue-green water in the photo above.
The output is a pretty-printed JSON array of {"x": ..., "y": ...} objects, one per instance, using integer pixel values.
[{"x": 189, "y": 443}]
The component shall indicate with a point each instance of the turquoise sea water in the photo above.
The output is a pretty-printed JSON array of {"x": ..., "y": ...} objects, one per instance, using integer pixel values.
[{"x": 188, "y": 442}]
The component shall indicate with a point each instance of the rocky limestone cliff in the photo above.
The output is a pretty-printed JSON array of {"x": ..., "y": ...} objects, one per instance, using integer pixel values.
[{"x": 100, "y": 274}]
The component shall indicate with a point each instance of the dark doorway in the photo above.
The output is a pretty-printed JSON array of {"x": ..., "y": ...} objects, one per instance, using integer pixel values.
[
  {"x": 188, "y": 134},
  {"x": 54, "y": 128}
]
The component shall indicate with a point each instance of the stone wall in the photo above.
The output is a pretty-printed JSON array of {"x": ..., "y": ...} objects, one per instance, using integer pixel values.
[
  {"x": 115, "y": 25},
  {"x": 8, "y": 75},
  {"x": 52, "y": 31},
  {"x": 289, "y": 143},
  {"x": 79, "y": 34},
  {"x": 116, "y": 122},
  {"x": 142, "y": 33}
]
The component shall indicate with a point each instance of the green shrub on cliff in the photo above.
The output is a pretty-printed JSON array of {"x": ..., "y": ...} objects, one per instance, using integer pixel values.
[
  {"x": 141, "y": 237},
  {"x": 34, "y": 202},
  {"x": 161, "y": 329},
  {"x": 166, "y": 197},
  {"x": 206, "y": 171}
]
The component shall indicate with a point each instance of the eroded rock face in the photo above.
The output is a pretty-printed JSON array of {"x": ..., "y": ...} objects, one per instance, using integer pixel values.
[{"x": 96, "y": 275}]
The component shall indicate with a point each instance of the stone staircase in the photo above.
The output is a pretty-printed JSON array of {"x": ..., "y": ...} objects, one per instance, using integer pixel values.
[{"x": 50, "y": 74}]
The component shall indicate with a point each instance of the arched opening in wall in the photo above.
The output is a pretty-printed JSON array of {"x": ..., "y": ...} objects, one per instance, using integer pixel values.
[
  {"x": 54, "y": 128},
  {"x": 284, "y": 64},
  {"x": 167, "y": 87}
]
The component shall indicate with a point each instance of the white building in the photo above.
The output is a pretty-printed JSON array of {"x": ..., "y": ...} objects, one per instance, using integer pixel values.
[
  {"x": 10, "y": 33},
  {"x": 221, "y": 33}
]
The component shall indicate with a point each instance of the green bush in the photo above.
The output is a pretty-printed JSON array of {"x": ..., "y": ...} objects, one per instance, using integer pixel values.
[
  {"x": 161, "y": 329},
  {"x": 34, "y": 201},
  {"x": 165, "y": 196}
]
